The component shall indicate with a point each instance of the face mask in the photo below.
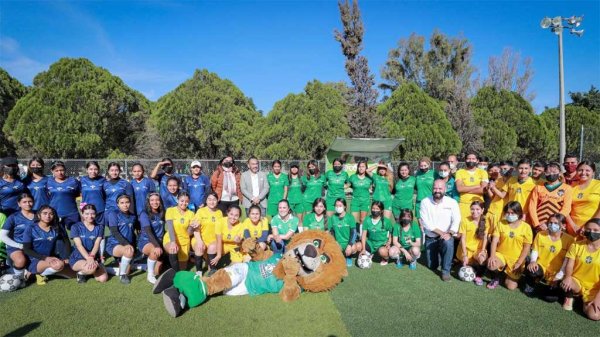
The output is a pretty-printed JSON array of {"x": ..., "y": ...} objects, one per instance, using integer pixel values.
[
  {"x": 37, "y": 170},
  {"x": 227, "y": 164},
  {"x": 168, "y": 169},
  {"x": 311, "y": 171},
  {"x": 11, "y": 171},
  {"x": 405, "y": 222},
  {"x": 505, "y": 172},
  {"x": 570, "y": 168},
  {"x": 483, "y": 167},
  {"x": 375, "y": 214},
  {"x": 592, "y": 236},
  {"x": 552, "y": 177},
  {"x": 339, "y": 210},
  {"x": 471, "y": 164},
  {"x": 452, "y": 166},
  {"x": 337, "y": 169},
  {"x": 443, "y": 174},
  {"x": 553, "y": 227},
  {"x": 512, "y": 217},
  {"x": 424, "y": 170}
]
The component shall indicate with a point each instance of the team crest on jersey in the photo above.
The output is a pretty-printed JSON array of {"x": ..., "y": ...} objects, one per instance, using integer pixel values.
[
  {"x": 181, "y": 220},
  {"x": 266, "y": 270},
  {"x": 552, "y": 249},
  {"x": 213, "y": 219},
  {"x": 580, "y": 196},
  {"x": 561, "y": 193},
  {"x": 511, "y": 234},
  {"x": 228, "y": 236},
  {"x": 519, "y": 190},
  {"x": 588, "y": 260},
  {"x": 472, "y": 179}
]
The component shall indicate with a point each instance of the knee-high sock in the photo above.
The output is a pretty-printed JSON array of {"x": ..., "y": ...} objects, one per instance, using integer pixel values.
[
  {"x": 210, "y": 257},
  {"x": 150, "y": 267},
  {"x": 49, "y": 271},
  {"x": 123, "y": 265},
  {"x": 198, "y": 261},
  {"x": 174, "y": 262}
]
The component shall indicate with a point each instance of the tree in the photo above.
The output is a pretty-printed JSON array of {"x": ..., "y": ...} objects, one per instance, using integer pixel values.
[
  {"x": 590, "y": 99},
  {"x": 503, "y": 112},
  {"x": 10, "y": 91},
  {"x": 362, "y": 97},
  {"x": 206, "y": 117},
  {"x": 76, "y": 109},
  {"x": 302, "y": 126},
  {"x": 410, "y": 113},
  {"x": 509, "y": 72}
]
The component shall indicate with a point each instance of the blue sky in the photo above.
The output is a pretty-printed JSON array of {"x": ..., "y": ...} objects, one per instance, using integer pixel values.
[{"x": 272, "y": 48}]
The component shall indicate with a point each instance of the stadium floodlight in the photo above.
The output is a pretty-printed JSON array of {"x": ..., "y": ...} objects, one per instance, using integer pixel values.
[
  {"x": 546, "y": 22},
  {"x": 577, "y": 32}
]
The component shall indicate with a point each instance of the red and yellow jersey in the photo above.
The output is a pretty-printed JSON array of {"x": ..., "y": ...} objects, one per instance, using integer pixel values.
[
  {"x": 469, "y": 179},
  {"x": 512, "y": 240},
  {"x": 551, "y": 254},
  {"x": 519, "y": 191},
  {"x": 256, "y": 230},
  {"x": 585, "y": 202},
  {"x": 229, "y": 234},
  {"x": 544, "y": 203},
  {"x": 208, "y": 221}
]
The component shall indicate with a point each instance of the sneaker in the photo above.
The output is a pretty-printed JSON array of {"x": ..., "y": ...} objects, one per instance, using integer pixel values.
[
  {"x": 40, "y": 280},
  {"x": 348, "y": 262},
  {"x": 151, "y": 279},
  {"x": 568, "y": 304},
  {"x": 413, "y": 265},
  {"x": 399, "y": 264},
  {"x": 81, "y": 278},
  {"x": 478, "y": 281},
  {"x": 124, "y": 279},
  {"x": 383, "y": 263},
  {"x": 529, "y": 290},
  {"x": 493, "y": 284},
  {"x": 446, "y": 277}
]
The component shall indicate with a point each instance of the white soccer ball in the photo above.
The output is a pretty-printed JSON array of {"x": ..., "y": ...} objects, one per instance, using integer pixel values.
[
  {"x": 364, "y": 261},
  {"x": 466, "y": 274},
  {"x": 10, "y": 282}
]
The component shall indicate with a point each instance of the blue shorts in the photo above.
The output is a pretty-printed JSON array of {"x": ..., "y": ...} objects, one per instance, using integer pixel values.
[
  {"x": 143, "y": 240},
  {"x": 100, "y": 219},
  {"x": 69, "y": 220},
  {"x": 33, "y": 262},
  {"x": 76, "y": 256}
]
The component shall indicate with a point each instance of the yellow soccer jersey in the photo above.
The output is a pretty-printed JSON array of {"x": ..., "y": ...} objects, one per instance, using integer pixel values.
[
  {"x": 551, "y": 254},
  {"x": 585, "y": 202},
  {"x": 208, "y": 221},
  {"x": 520, "y": 192},
  {"x": 227, "y": 233},
  {"x": 469, "y": 230},
  {"x": 497, "y": 203},
  {"x": 469, "y": 179},
  {"x": 511, "y": 240},
  {"x": 587, "y": 266},
  {"x": 181, "y": 223},
  {"x": 256, "y": 230}
]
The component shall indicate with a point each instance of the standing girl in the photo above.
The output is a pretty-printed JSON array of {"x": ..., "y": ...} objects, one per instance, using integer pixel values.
[
  {"x": 295, "y": 188},
  {"x": 313, "y": 182},
  {"x": 424, "y": 183},
  {"x": 361, "y": 184},
  {"x": 404, "y": 190},
  {"x": 10, "y": 186},
  {"x": 115, "y": 186},
  {"x": 278, "y": 187},
  {"x": 142, "y": 187},
  {"x": 384, "y": 183},
  {"x": 336, "y": 183},
  {"x": 92, "y": 190},
  {"x": 63, "y": 192},
  {"x": 36, "y": 183}
]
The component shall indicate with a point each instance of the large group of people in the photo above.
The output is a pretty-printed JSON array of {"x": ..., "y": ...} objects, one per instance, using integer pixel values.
[{"x": 529, "y": 222}]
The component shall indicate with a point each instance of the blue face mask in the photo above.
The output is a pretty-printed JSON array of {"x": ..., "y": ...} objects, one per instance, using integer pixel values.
[
  {"x": 553, "y": 227},
  {"x": 512, "y": 217}
]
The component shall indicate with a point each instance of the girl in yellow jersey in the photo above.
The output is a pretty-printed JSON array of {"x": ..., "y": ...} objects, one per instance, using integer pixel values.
[
  {"x": 179, "y": 232},
  {"x": 519, "y": 188},
  {"x": 585, "y": 197},
  {"x": 547, "y": 257},
  {"x": 256, "y": 227},
  {"x": 231, "y": 232},
  {"x": 470, "y": 183},
  {"x": 495, "y": 196},
  {"x": 582, "y": 273},
  {"x": 206, "y": 220},
  {"x": 511, "y": 241},
  {"x": 473, "y": 241}
]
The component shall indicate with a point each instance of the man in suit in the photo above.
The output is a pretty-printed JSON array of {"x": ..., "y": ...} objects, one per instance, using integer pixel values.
[{"x": 255, "y": 187}]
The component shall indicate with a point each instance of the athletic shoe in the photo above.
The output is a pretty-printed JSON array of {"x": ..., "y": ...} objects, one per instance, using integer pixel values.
[
  {"x": 124, "y": 279},
  {"x": 164, "y": 281},
  {"x": 383, "y": 263},
  {"x": 151, "y": 279},
  {"x": 529, "y": 290},
  {"x": 413, "y": 265},
  {"x": 568, "y": 305},
  {"x": 478, "y": 281},
  {"x": 348, "y": 262},
  {"x": 40, "y": 280},
  {"x": 493, "y": 284},
  {"x": 81, "y": 278},
  {"x": 172, "y": 302},
  {"x": 446, "y": 277},
  {"x": 399, "y": 264}
]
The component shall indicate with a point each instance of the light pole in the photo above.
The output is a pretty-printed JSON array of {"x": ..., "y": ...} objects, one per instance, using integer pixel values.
[{"x": 557, "y": 24}]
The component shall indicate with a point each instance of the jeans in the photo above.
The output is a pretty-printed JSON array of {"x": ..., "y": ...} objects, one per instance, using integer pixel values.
[{"x": 436, "y": 248}]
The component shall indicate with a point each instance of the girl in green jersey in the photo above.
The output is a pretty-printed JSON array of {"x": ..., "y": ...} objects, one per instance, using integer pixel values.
[
  {"x": 317, "y": 219},
  {"x": 361, "y": 192},
  {"x": 384, "y": 183},
  {"x": 278, "y": 187},
  {"x": 376, "y": 236},
  {"x": 295, "y": 196},
  {"x": 343, "y": 227},
  {"x": 424, "y": 185},
  {"x": 404, "y": 190},
  {"x": 313, "y": 183},
  {"x": 336, "y": 184}
]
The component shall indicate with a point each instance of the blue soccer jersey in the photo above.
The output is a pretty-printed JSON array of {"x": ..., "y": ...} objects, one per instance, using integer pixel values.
[
  {"x": 153, "y": 221},
  {"x": 162, "y": 183},
  {"x": 9, "y": 191},
  {"x": 16, "y": 224},
  {"x": 198, "y": 189},
  {"x": 92, "y": 192},
  {"x": 141, "y": 189},
  {"x": 39, "y": 191},
  {"x": 169, "y": 200},
  {"x": 63, "y": 195},
  {"x": 42, "y": 242},
  {"x": 87, "y": 237},
  {"x": 124, "y": 223},
  {"x": 113, "y": 189}
]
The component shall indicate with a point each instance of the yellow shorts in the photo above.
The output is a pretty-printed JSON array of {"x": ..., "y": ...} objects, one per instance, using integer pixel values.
[
  {"x": 235, "y": 255},
  {"x": 589, "y": 291},
  {"x": 185, "y": 243},
  {"x": 208, "y": 237},
  {"x": 515, "y": 275}
]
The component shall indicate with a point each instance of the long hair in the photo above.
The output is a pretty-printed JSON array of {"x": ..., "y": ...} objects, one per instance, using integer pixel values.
[
  {"x": 161, "y": 207},
  {"x": 317, "y": 171},
  {"x": 321, "y": 201},
  {"x": 480, "y": 232}
]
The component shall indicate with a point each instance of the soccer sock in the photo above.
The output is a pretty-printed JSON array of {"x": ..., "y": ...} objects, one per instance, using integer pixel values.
[
  {"x": 123, "y": 265},
  {"x": 49, "y": 271},
  {"x": 198, "y": 261},
  {"x": 19, "y": 272},
  {"x": 174, "y": 262},
  {"x": 479, "y": 270},
  {"x": 210, "y": 257},
  {"x": 101, "y": 251},
  {"x": 150, "y": 267}
]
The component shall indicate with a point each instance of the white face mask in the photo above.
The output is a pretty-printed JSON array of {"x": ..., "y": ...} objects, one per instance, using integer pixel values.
[
  {"x": 452, "y": 166},
  {"x": 483, "y": 167},
  {"x": 339, "y": 210},
  {"x": 512, "y": 217},
  {"x": 443, "y": 174}
]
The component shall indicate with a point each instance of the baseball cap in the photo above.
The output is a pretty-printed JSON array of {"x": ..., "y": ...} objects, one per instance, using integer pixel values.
[{"x": 196, "y": 163}]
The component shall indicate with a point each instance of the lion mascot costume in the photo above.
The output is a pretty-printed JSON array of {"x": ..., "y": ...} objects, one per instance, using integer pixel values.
[{"x": 313, "y": 262}]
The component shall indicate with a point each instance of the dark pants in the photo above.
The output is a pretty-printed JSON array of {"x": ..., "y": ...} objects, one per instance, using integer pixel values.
[
  {"x": 223, "y": 205},
  {"x": 436, "y": 249}
]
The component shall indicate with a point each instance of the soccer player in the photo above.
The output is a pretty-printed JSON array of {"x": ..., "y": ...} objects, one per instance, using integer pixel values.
[
  {"x": 494, "y": 196},
  {"x": 257, "y": 227},
  {"x": 231, "y": 232},
  {"x": 444, "y": 174},
  {"x": 404, "y": 190},
  {"x": 152, "y": 224},
  {"x": 197, "y": 184},
  {"x": 483, "y": 162},
  {"x": 36, "y": 182},
  {"x": 207, "y": 218},
  {"x": 406, "y": 240},
  {"x": 120, "y": 243},
  {"x": 582, "y": 273},
  {"x": 115, "y": 186},
  {"x": 519, "y": 188},
  {"x": 92, "y": 190},
  {"x": 283, "y": 226},
  {"x": 63, "y": 192},
  {"x": 586, "y": 197},
  {"x": 317, "y": 219},
  {"x": 537, "y": 171},
  {"x": 571, "y": 164},
  {"x": 361, "y": 192},
  {"x": 336, "y": 183},
  {"x": 383, "y": 182},
  {"x": 376, "y": 236},
  {"x": 278, "y": 187},
  {"x": 343, "y": 227},
  {"x": 470, "y": 183},
  {"x": 169, "y": 198},
  {"x": 179, "y": 231},
  {"x": 313, "y": 182},
  {"x": 453, "y": 161},
  {"x": 142, "y": 187},
  {"x": 168, "y": 171},
  {"x": 295, "y": 196},
  {"x": 547, "y": 255},
  {"x": 506, "y": 169},
  {"x": 10, "y": 186},
  {"x": 511, "y": 241},
  {"x": 424, "y": 182},
  {"x": 13, "y": 231},
  {"x": 40, "y": 243},
  {"x": 85, "y": 254},
  {"x": 548, "y": 198},
  {"x": 473, "y": 241}
]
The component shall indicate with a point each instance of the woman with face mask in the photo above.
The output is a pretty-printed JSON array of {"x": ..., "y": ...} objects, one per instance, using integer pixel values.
[
  {"x": 406, "y": 240},
  {"x": 548, "y": 198},
  {"x": 571, "y": 165},
  {"x": 424, "y": 183},
  {"x": 336, "y": 180},
  {"x": 10, "y": 186},
  {"x": 404, "y": 190},
  {"x": 586, "y": 198},
  {"x": 343, "y": 228},
  {"x": 582, "y": 272},
  {"x": 163, "y": 170},
  {"x": 313, "y": 183},
  {"x": 225, "y": 181},
  {"x": 376, "y": 236},
  {"x": 36, "y": 183},
  {"x": 444, "y": 174},
  {"x": 92, "y": 191},
  {"x": 546, "y": 259},
  {"x": 471, "y": 183}
]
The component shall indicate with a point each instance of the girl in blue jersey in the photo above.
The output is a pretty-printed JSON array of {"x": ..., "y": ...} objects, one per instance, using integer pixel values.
[
  {"x": 13, "y": 230},
  {"x": 36, "y": 182},
  {"x": 63, "y": 191},
  {"x": 121, "y": 240},
  {"x": 85, "y": 255},
  {"x": 142, "y": 187},
  {"x": 10, "y": 186},
  {"x": 114, "y": 186},
  {"x": 40, "y": 244},
  {"x": 169, "y": 198},
  {"x": 152, "y": 222},
  {"x": 92, "y": 191},
  {"x": 168, "y": 170}
]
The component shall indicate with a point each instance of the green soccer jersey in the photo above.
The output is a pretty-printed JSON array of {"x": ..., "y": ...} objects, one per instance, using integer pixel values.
[
  {"x": 382, "y": 188},
  {"x": 295, "y": 191},
  {"x": 314, "y": 188},
  {"x": 291, "y": 224},
  {"x": 404, "y": 191},
  {"x": 360, "y": 187},
  {"x": 342, "y": 228},
  {"x": 260, "y": 279},
  {"x": 377, "y": 233},
  {"x": 407, "y": 237},
  {"x": 335, "y": 184},
  {"x": 276, "y": 186},
  {"x": 424, "y": 184},
  {"x": 310, "y": 221}
]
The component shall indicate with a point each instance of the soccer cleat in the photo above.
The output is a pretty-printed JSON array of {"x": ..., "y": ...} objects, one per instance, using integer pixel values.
[
  {"x": 164, "y": 281},
  {"x": 348, "y": 262},
  {"x": 413, "y": 265},
  {"x": 124, "y": 279},
  {"x": 478, "y": 281},
  {"x": 40, "y": 280},
  {"x": 568, "y": 304},
  {"x": 399, "y": 264},
  {"x": 493, "y": 284},
  {"x": 81, "y": 278},
  {"x": 172, "y": 301}
]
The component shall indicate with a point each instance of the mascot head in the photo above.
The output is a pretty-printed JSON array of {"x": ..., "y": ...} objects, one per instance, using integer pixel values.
[{"x": 322, "y": 264}]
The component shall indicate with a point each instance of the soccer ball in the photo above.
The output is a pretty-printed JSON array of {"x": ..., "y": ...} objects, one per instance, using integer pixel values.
[
  {"x": 10, "y": 282},
  {"x": 466, "y": 274},
  {"x": 364, "y": 261}
]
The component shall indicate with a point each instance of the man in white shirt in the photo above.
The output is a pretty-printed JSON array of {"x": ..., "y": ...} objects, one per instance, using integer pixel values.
[
  {"x": 255, "y": 187},
  {"x": 440, "y": 217}
]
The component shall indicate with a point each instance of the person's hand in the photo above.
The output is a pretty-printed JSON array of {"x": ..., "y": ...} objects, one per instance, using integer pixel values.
[
  {"x": 129, "y": 250},
  {"x": 172, "y": 248},
  {"x": 567, "y": 283},
  {"x": 533, "y": 267},
  {"x": 157, "y": 251},
  {"x": 166, "y": 162},
  {"x": 53, "y": 262},
  {"x": 446, "y": 236},
  {"x": 195, "y": 224},
  {"x": 278, "y": 238},
  {"x": 407, "y": 256},
  {"x": 491, "y": 184},
  {"x": 493, "y": 263},
  {"x": 465, "y": 261},
  {"x": 237, "y": 239},
  {"x": 543, "y": 226},
  {"x": 255, "y": 200},
  {"x": 269, "y": 238},
  {"x": 517, "y": 265},
  {"x": 215, "y": 260},
  {"x": 595, "y": 304}
]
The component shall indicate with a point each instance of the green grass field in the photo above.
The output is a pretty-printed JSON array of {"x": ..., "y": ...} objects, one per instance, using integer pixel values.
[{"x": 382, "y": 301}]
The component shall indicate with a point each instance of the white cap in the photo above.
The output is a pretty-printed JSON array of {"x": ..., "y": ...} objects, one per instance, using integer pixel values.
[{"x": 196, "y": 163}]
